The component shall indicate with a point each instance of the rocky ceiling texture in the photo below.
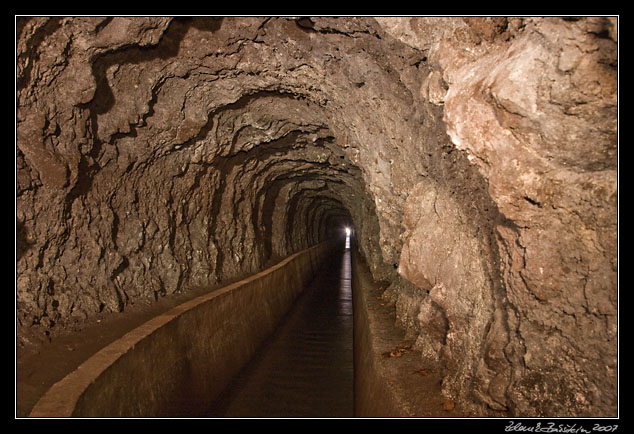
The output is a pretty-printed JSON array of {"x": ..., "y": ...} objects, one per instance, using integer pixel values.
[{"x": 476, "y": 158}]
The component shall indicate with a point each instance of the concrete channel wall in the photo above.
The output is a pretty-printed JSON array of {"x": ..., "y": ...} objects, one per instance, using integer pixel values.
[
  {"x": 176, "y": 364},
  {"x": 373, "y": 391},
  {"x": 386, "y": 366}
]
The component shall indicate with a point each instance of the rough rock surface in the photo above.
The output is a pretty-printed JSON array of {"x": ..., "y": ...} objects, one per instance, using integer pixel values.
[{"x": 476, "y": 157}]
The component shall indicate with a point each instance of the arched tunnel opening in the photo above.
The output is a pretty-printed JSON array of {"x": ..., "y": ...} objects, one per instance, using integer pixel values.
[{"x": 461, "y": 170}]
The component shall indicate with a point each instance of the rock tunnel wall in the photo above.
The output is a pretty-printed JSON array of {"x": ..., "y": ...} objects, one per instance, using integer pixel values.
[{"x": 476, "y": 158}]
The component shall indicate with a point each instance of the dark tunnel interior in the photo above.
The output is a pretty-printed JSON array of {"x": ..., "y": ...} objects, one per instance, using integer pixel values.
[{"x": 474, "y": 160}]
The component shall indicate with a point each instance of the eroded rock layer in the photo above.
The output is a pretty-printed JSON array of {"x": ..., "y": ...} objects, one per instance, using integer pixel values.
[{"x": 476, "y": 158}]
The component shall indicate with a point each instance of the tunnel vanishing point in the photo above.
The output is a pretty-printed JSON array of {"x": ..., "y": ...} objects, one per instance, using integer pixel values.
[{"x": 475, "y": 157}]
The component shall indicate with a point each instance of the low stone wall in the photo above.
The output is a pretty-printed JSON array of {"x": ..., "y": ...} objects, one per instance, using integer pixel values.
[
  {"x": 391, "y": 378},
  {"x": 373, "y": 395},
  {"x": 177, "y": 363}
]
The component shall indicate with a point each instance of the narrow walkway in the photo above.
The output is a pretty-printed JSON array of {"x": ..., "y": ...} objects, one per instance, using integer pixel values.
[{"x": 306, "y": 368}]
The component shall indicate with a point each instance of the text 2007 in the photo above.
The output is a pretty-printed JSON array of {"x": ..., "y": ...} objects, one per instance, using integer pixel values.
[{"x": 606, "y": 428}]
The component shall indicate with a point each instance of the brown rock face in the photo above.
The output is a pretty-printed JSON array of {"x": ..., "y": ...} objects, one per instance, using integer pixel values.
[{"x": 476, "y": 158}]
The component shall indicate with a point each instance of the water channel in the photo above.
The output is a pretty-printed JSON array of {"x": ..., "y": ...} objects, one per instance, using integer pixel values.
[{"x": 305, "y": 370}]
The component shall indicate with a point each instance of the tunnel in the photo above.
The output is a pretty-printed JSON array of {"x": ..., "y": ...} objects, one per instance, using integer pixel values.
[{"x": 188, "y": 187}]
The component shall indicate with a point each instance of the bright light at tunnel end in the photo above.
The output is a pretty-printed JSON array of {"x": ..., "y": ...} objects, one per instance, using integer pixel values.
[{"x": 347, "y": 229}]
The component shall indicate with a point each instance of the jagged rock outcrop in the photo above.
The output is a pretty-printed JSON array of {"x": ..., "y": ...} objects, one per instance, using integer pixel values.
[
  {"x": 533, "y": 104},
  {"x": 476, "y": 158}
]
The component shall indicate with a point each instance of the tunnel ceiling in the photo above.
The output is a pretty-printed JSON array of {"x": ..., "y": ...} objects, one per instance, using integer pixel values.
[
  {"x": 193, "y": 147},
  {"x": 475, "y": 157}
]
